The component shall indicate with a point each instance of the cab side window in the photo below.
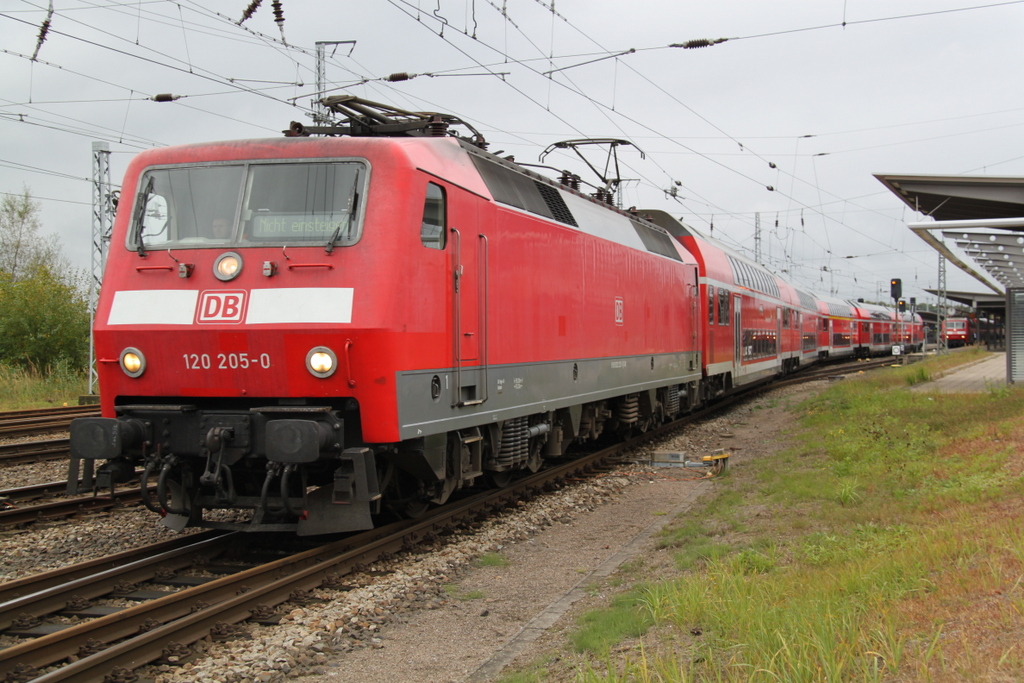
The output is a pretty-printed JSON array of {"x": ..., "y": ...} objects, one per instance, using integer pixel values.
[
  {"x": 432, "y": 231},
  {"x": 711, "y": 304}
]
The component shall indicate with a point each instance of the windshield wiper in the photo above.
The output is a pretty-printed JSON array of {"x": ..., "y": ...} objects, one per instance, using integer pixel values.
[
  {"x": 353, "y": 203},
  {"x": 140, "y": 214}
]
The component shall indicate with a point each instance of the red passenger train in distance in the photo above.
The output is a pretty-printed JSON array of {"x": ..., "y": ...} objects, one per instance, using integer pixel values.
[
  {"x": 959, "y": 332},
  {"x": 304, "y": 333}
]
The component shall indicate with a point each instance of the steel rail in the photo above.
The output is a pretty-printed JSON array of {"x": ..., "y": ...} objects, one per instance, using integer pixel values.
[
  {"x": 34, "y": 451},
  {"x": 42, "y": 602},
  {"x": 47, "y": 412},
  {"x": 185, "y": 617},
  {"x": 51, "y": 489},
  {"x": 55, "y": 577},
  {"x": 28, "y": 422},
  {"x": 69, "y": 506},
  {"x": 35, "y": 427},
  {"x": 33, "y": 492}
]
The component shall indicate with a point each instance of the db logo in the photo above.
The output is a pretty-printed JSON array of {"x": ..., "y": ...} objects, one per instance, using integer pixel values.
[
  {"x": 221, "y": 307},
  {"x": 620, "y": 311}
]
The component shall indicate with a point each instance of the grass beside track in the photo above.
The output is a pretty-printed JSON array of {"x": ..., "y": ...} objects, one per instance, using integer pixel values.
[
  {"x": 24, "y": 389},
  {"x": 885, "y": 545}
]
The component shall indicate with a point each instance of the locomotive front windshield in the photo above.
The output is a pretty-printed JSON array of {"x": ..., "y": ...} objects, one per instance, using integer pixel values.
[{"x": 247, "y": 205}]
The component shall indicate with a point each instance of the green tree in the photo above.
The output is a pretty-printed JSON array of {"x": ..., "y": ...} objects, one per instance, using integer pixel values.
[
  {"x": 44, "y": 308},
  {"x": 21, "y": 246},
  {"x": 45, "y": 321}
]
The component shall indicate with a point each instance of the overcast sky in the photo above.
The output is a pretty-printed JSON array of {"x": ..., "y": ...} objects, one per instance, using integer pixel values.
[{"x": 794, "y": 100}]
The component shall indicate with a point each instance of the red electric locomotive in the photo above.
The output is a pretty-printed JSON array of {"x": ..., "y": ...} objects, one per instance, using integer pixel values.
[
  {"x": 305, "y": 331},
  {"x": 958, "y": 332},
  {"x": 300, "y": 333}
]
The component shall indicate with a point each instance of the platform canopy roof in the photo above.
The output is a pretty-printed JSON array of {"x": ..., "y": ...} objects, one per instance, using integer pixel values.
[
  {"x": 989, "y": 302},
  {"x": 977, "y": 223}
]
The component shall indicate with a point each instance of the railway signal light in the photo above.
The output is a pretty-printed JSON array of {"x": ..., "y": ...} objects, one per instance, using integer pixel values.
[
  {"x": 895, "y": 288},
  {"x": 902, "y": 306}
]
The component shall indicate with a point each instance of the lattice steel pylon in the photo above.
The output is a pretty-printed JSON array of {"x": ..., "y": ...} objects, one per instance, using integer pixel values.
[
  {"x": 757, "y": 237},
  {"x": 320, "y": 113},
  {"x": 102, "y": 224},
  {"x": 940, "y": 340}
]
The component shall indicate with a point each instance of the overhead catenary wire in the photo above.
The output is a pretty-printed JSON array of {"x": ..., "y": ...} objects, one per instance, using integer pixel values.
[
  {"x": 698, "y": 205},
  {"x": 649, "y": 128},
  {"x": 825, "y": 249},
  {"x": 207, "y": 76},
  {"x": 47, "y": 199}
]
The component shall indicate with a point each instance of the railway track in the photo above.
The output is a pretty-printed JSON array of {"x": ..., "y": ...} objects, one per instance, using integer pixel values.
[
  {"x": 177, "y": 609},
  {"x": 41, "y": 421},
  {"x": 194, "y": 611},
  {"x": 13, "y": 511},
  {"x": 34, "y": 451},
  {"x": 841, "y": 369},
  {"x": 24, "y": 494}
]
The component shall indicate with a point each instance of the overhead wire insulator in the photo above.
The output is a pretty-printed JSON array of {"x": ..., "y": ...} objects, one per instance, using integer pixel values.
[
  {"x": 279, "y": 16},
  {"x": 165, "y": 97},
  {"x": 250, "y": 10},
  {"x": 400, "y": 76},
  {"x": 43, "y": 30},
  {"x": 698, "y": 43}
]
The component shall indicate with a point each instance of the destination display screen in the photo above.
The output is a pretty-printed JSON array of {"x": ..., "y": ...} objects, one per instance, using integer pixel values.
[{"x": 297, "y": 226}]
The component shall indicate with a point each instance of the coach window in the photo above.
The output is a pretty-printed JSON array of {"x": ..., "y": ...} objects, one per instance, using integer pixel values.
[
  {"x": 723, "y": 306},
  {"x": 711, "y": 304},
  {"x": 432, "y": 232}
]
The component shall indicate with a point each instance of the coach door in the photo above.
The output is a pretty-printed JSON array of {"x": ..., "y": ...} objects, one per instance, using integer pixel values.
[
  {"x": 778, "y": 332},
  {"x": 469, "y": 301},
  {"x": 695, "y": 311},
  {"x": 737, "y": 329}
]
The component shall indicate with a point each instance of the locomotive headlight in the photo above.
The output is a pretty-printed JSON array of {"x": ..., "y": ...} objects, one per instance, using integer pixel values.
[
  {"x": 227, "y": 266},
  {"x": 133, "y": 362},
  {"x": 321, "y": 361}
]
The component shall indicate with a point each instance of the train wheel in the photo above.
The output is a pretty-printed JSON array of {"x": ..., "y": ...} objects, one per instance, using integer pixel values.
[
  {"x": 415, "y": 509},
  {"x": 498, "y": 480}
]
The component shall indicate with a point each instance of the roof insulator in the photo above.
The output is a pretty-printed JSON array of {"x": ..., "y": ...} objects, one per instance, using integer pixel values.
[
  {"x": 279, "y": 18},
  {"x": 250, "y": 10},
  {"x": 43, "y": 30}
]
